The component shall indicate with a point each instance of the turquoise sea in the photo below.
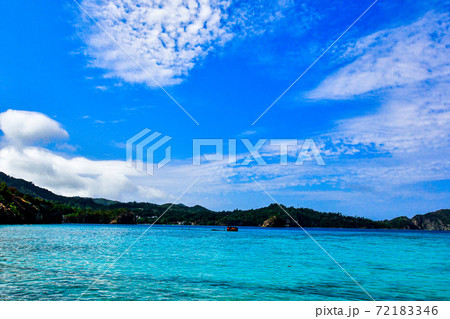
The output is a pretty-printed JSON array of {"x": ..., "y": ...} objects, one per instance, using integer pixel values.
[{"x": 59, "y": 262}]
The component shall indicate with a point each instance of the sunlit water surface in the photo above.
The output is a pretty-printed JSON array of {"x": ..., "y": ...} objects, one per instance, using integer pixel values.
[{"x": 59, "y": 262}]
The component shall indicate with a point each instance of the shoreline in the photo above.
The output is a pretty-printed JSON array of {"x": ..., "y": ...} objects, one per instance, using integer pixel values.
[{"x": 255, "y": 227}]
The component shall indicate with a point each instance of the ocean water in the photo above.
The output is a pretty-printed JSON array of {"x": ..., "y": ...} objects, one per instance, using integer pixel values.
[{"x": 59, "y": 262}]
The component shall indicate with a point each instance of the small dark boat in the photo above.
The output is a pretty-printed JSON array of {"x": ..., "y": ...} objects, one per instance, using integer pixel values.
[{"x": 231, "y": 228}]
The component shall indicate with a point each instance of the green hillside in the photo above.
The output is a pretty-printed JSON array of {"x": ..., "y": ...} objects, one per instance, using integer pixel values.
[{"x": 21, "y": 202}]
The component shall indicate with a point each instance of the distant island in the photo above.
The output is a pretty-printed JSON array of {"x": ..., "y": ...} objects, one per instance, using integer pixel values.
[{"x": 22, "y": 202}]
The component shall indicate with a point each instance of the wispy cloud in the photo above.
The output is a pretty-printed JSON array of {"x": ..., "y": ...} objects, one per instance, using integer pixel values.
[
  {"x": 257, "y": 18},
  {"x": 412, "y": 120},
  {"x": 391, "y": 58},
  {"x": 101, "y": 88},
  {"x": 248, "y": 133},
  {"x": 404, "y": 140},
  {"x": 410, "y": 63}
]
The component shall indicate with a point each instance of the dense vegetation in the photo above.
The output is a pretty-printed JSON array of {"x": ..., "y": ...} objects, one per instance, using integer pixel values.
[
  {"x": 439, "y": 219},
  {"x": 18, "y": 208},
  {"x": 256, "y": 217},
  {"x": 24, "y": 203},
  {"x": 30, "y": 189}
]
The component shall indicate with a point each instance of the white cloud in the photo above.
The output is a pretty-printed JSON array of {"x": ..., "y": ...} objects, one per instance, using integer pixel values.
[
  {"x": 27, "y": 128},
  {"x": 413, "y": 120},
  {"x": 392, "y": 58},
  {"x": 67, "y": 176},
  {"x": 101, "y": 88},
  {"x": 257, "y": 18},
  {"x": 221, "y": 184},
  {"x": 80, "y": 176},
  {"x": 151, "y": 193},
  {"x": 405, "y": 140},
  {"x": 411, "y": 64},
  {"x": 166, "y": 37}
]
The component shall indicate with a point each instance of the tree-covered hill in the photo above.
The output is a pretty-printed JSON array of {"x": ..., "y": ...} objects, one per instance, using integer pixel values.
[
  {"x": 21, "y": 202},
  {"x": 29, "y": 188},
  {"x": 19, "y": 208}
]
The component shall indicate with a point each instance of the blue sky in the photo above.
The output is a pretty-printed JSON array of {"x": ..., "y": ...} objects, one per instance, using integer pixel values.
[{"x": 376, "y": 103}]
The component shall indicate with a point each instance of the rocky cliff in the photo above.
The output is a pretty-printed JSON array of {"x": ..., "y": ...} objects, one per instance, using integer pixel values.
[
  {"x": 438, "y": 220},
  {"x": 274, "y": 221}
]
